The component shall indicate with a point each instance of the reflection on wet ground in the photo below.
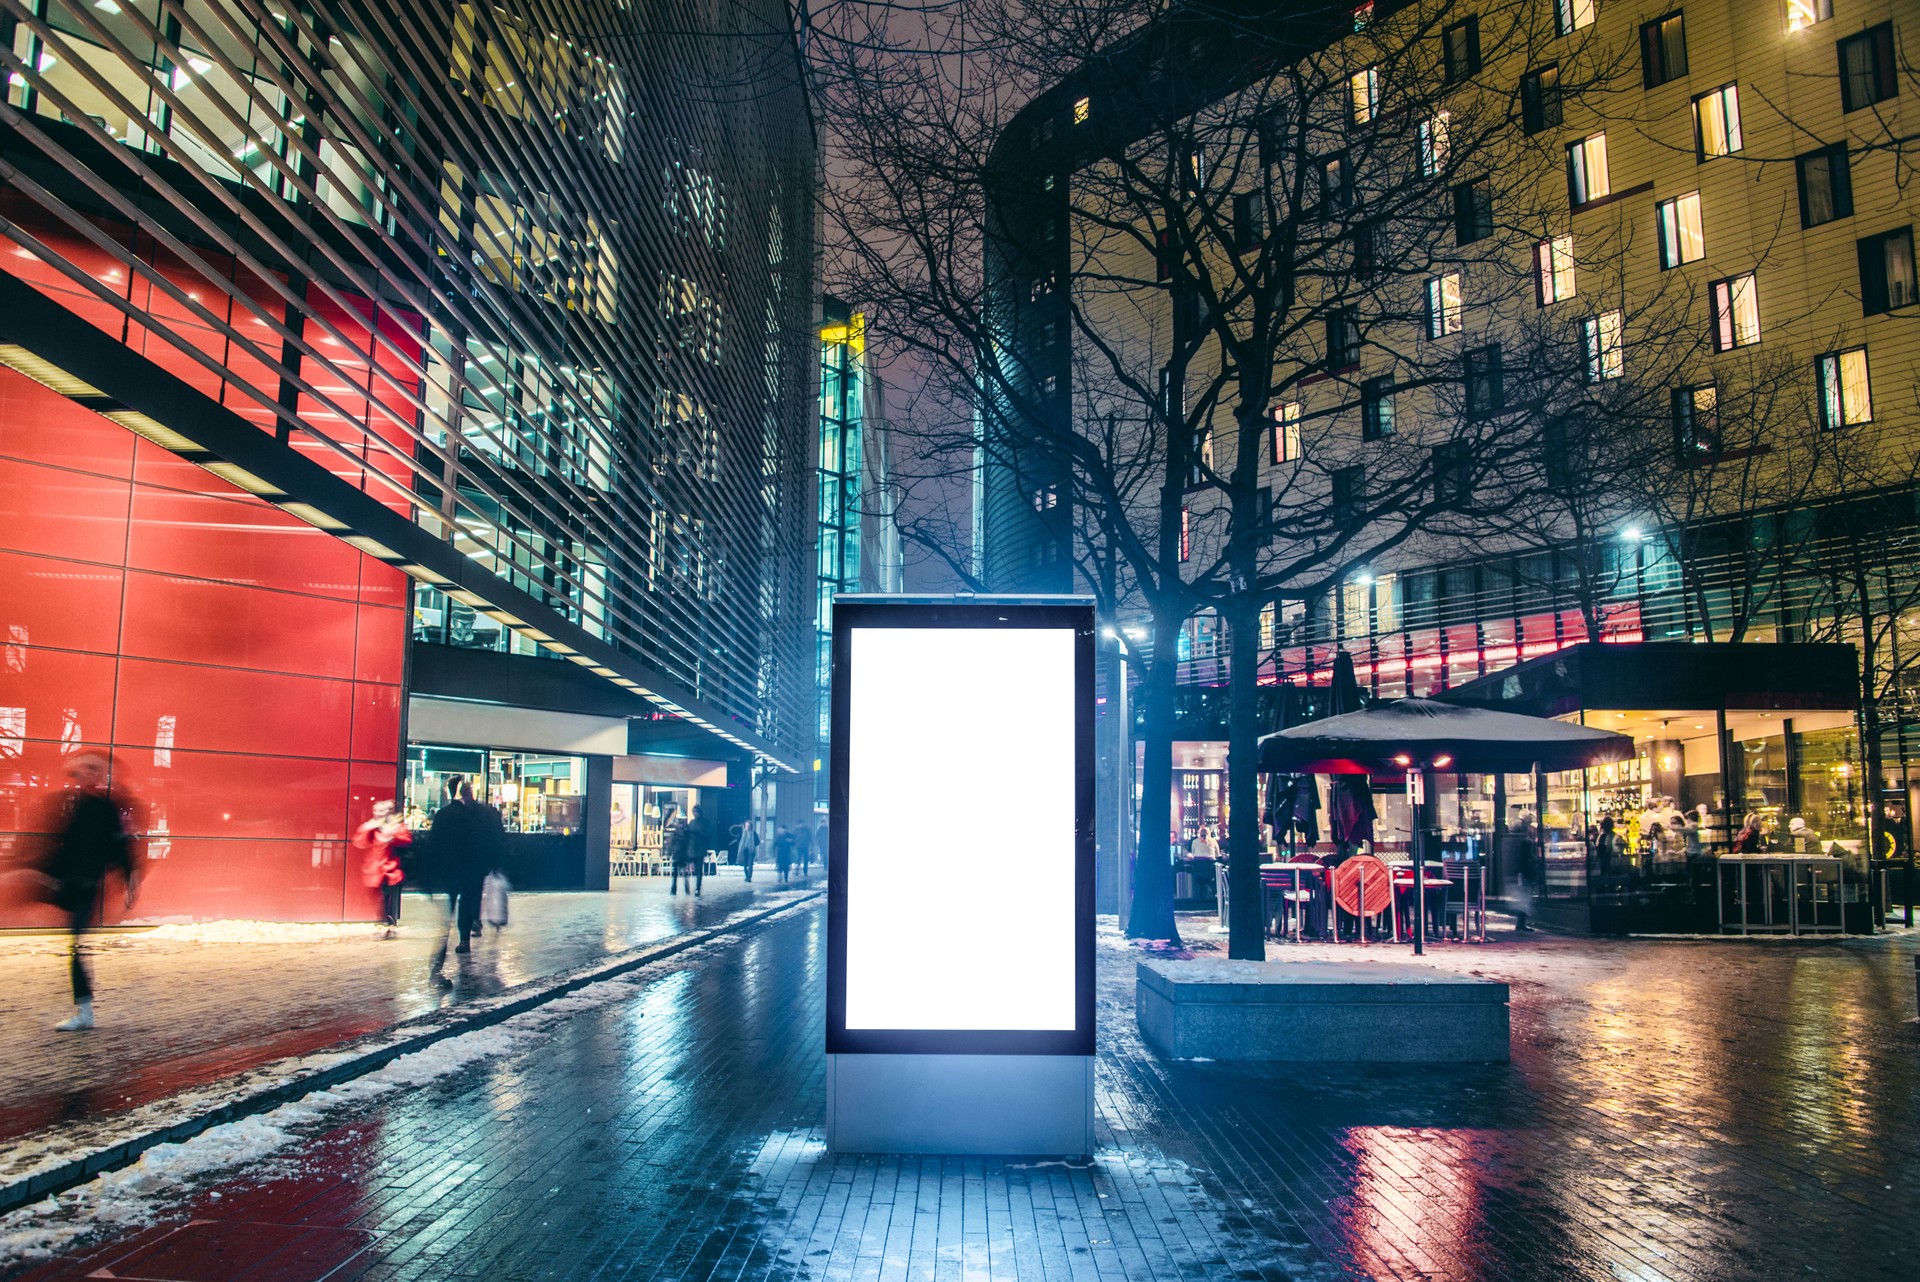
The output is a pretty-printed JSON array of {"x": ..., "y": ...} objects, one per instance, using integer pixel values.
[{"x": 1674, "y": 1110}]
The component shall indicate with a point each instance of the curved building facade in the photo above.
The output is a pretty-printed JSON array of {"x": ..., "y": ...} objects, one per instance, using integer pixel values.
[{"x": 357, "y": 351}]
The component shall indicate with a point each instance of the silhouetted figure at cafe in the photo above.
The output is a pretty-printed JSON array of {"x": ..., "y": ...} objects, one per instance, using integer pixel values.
[
  {"x": 679, "y": 847},
  {"x": 90, "y": 843},
  {"x": 783, "y": 851},
  {"x": 748, "y": 847}
]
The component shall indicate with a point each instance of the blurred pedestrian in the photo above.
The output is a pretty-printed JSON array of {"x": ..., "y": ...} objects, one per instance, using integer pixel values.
[
  {"x": 819, "y": 848},
  {"x": 783, "y": 851},
  {"x": 803, "y": 846},
  {"x": 487, "y": 855},
  {"x": 748, "y": 847},
  {"x": 677, "y": 847},
  {"x": 90, "y": 842},
  {"x": 700, "y": 843},
  {"x": 383, "y": 837}
]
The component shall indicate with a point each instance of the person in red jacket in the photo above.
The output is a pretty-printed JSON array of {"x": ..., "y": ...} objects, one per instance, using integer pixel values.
[{"x": 381, "y": 837}]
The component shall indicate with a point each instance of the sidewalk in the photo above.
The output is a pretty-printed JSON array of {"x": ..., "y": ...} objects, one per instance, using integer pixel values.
[
  {"x": 181, "y": 1007},
  {"x": 1674, "y": 1112}
]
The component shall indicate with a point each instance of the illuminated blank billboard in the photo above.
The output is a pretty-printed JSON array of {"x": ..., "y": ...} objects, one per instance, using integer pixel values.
[{"x": 961, "y": 855}]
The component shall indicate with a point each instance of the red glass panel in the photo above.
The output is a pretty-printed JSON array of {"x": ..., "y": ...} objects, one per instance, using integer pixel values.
[
  {"x": 380, "y": 644},
  {"x": 59, "y": 695},
  {"x": 233, "y": 710},
  {"x": 239, "y": 539},
  {"x": 218, "y": 794},
  {"x": 206, "y": 878},
  {"x": 195, "y": 621},
  {"x": 376, "y": 722},
  {"x": 64, "y": 604},
  {"x": 39, "y": 425},
  {"x": 65, "y": 514}
]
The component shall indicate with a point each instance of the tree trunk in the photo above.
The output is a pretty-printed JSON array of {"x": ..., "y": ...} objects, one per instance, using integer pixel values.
[
  {"x": 1151, "y": 916},
  {"x": 1246, "y": 929}
]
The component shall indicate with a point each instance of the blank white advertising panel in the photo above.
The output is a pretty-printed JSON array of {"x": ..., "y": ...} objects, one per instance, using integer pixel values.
[{"x": 961, "y": 855}]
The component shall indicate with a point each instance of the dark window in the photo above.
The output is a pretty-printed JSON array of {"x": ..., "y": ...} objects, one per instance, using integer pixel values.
[
  {"x": 1555, "y": 456},
  {"x": 1346, "y": 494},
  {"x": 1866, "y": 68},
  {"x": 1336, "y": 184},
  {"x": 1461, "y": 42},
  {"x": 1663, "y": 50},
  {"x": 1473, "y": 211},
  {"x": 1366, "y": 249},
  {"x": 1486, "y": 383},
  {"x": 1376, "y": 408},
  {"x": 1272, "y": 134},
  {"x": 1191, "y": 314},
  {"x": 1173, "y": 397},
  {"x": 1826, "y": 187},
  {"x": 1343, "y": 339},
  {"x": 1249, "y": 221},
  {"x": 1452, "y": 473},
  {"x": 1696, "y": 421},
  {"x": 1886, "y": 271},
  {"x": 1540, "y": 99},
  {"x": 1163, "y": 254}
]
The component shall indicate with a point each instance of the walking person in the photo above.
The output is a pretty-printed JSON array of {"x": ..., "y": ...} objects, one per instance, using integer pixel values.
[
  {"x": 90, "y": 842},
  {"x": 783, "y": 851},
  {"x": 487, "y": 854},
  {"x": 382, "y": 837},
  {"x": 819, "y": 847},
  {"x": 748, "y": 847},
  {"x": 677, "y": 847},
  {"x": 803, "y": 846}
]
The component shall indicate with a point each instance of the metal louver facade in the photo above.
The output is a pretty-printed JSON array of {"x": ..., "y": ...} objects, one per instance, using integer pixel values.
[{"x": 516, "y": 298}]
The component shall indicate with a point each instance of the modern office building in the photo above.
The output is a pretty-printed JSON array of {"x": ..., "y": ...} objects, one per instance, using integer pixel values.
[
  {"x": 1731, "y": 178},
  {"x": 396, "y": 394},
  {"x": 858, "y": 548}
]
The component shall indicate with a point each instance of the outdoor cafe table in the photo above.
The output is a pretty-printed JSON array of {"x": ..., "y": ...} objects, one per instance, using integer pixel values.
[
  {"x": 1402, "y": 872},
  {"x": 1792, "y": 865},
  {"x": 1297, "y": 871}
]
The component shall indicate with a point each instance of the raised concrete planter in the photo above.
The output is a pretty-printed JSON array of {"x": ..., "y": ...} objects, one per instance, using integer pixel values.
[{"x": 1321, "y": 1012}]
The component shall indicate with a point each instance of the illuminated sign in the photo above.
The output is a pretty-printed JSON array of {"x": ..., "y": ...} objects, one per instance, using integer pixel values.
[{"x": 961, "y": 895}]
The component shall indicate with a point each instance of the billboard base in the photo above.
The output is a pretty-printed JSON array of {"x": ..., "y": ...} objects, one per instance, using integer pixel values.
[{"x": 1005, "y": 1105}]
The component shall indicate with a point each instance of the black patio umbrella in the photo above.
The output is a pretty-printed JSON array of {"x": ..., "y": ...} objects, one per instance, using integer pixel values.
[
  {"x": 1423, "y": 733},
  {"x": 1432, "y": 737}
]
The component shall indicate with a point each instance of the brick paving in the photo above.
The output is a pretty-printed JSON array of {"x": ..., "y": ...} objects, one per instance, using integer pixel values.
[
  {"x": 1675, "y": 1110},
  {"x": 182, "y": 1007}
]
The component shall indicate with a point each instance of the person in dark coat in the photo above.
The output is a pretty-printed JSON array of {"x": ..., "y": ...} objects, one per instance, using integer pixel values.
[
  {"x": 90, "y": 842},
  {"x": 783, "y": 851},
  {"x": 486, "y": 852},
  {"x": 803, "y": 847},
  {"x": 677, "y": 849}
]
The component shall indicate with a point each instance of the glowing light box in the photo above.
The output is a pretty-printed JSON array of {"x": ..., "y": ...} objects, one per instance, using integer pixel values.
[{"x": 961, "y": 853}]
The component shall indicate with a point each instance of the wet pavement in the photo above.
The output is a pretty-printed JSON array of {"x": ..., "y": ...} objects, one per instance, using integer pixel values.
[
  {"x": 1675, "y": 1110},
  {"x": 180, "y": 1007}
]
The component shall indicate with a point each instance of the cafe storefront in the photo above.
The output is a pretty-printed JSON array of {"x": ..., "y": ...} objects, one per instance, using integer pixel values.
[{"x": 1722, "y": 732}]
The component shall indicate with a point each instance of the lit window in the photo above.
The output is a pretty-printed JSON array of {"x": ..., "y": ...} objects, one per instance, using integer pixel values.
[
  {"x": 1082, "y": 108},
  {"x": 1682, "y": 239},
  {"x": 1200, "y": 463},
  {"x": 1286, "y": 432},
  {"x": 1553, "y": 265},
  {"x": 1886, "y": 271},
  {"x": 1433, "y": 143},
  {"x": 1376, "y": 408},
  {"x": 1736, "y": 313},
  {"x": 1540, "y": 99},
  {"x": 1571, "y": 15},
  {"x": 1443, "y": 305},
  {"x": 1186, "y": 532},
  {"x": 1845, "y": 397},
  {"x": 1386, "y": 607},
  {"x": 1696, "y": 421},
  {"x": 1716, "y": 122},
  {"x": 1587, "y": 169},
  {"x": 1267, "y": 626},
  {"x": 1046, "y": 498},
  {"x": 1600, "y": 336},
  {"x": 1804, "y": 13},
  {"x": 1363, "y": 95}
]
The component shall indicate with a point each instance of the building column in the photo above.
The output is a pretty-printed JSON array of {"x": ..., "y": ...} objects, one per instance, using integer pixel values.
[{"x": 597, "y": 864}]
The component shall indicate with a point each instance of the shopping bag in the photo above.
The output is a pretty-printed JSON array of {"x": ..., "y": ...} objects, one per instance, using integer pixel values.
[{"x": 493, "y": 899}]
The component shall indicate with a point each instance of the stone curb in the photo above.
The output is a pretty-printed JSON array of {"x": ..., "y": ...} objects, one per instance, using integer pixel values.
[{"x": 413, "y": 1035}]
